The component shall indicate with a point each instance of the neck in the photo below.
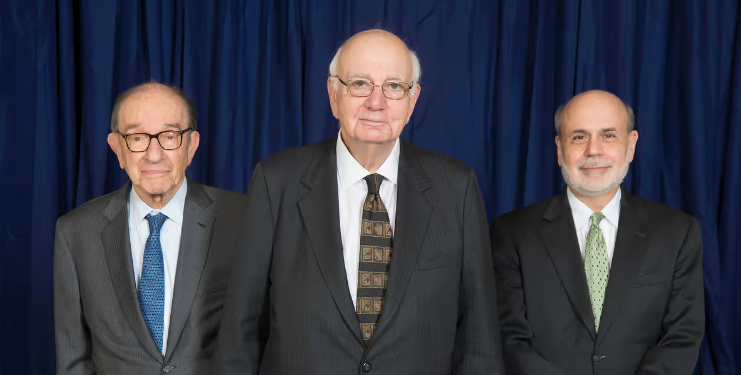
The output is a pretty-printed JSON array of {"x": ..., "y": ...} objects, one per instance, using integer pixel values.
[
  {"x": 158, "y": 201},
  {"x": 369, "y": 155},
  {"x": 596, "y": 204}
]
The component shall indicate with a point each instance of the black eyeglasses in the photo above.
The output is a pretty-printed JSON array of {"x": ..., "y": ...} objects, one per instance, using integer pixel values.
[
  {"x": 363, "y": 87},
  {"x": 168, "y": 140}
]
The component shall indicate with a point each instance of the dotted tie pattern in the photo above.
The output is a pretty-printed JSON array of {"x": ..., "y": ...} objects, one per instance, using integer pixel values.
[
  {"x": 596, "y": 266},
  {"x": 152, "y": 282}
]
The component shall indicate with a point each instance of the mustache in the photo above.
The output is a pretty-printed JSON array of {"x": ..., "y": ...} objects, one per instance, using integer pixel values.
[{"x": 594, "y": 163}]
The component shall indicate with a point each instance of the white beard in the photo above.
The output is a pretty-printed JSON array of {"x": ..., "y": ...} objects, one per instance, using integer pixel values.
[{"x": 581, "y": 187}]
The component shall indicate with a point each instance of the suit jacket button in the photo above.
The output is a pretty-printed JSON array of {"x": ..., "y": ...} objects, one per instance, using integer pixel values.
[
  {"x": 367, "y": 367},
  {"x": 168, "y": 368},
  {"x": 597, "y": 358}
]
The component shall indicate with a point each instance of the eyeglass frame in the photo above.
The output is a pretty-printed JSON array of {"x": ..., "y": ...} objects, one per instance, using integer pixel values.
[
  {"x": 347, "y": 87},
  {"x": 155, "y": 136}
]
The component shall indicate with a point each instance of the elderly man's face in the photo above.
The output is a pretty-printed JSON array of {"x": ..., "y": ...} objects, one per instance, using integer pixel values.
[
  {"x": 379, "y": 57},
  {"x": 595, "y": 147},
  {"x": 155, "y": 172}
]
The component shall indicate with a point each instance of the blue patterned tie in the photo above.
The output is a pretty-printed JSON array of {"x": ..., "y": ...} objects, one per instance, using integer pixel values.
[{"x": 152, "y": 282}]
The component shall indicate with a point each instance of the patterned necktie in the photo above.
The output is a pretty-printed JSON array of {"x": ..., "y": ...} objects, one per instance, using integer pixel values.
[
  {"x": 596, "y": 266},
  {"x": 152, "y": 282},
  {"x": 376, "y": 243}
]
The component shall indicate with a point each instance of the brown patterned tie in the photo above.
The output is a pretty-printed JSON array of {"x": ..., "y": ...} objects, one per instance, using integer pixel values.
[{"x": 376, "y": 243}]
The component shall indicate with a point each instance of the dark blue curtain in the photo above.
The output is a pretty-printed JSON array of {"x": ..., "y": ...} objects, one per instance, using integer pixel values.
[{"x": 493, "y": 74}]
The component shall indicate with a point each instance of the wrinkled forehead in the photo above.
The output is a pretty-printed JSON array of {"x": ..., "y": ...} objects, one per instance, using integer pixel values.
[
  {"x": 376, "y": 57},
  {"x": 154, "y": 102},
  {"x": 595, "y": 110}
]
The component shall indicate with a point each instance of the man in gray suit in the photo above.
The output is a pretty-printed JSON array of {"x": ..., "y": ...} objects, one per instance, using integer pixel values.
[
  {"x": 364, "y": 253},
  {"x": 140, "y": 273}
]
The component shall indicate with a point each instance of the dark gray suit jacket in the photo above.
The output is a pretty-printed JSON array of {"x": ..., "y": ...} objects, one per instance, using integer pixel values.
[
  {"x": 653, "y": 316},
  {"x": 99, "y": 327},
  {"x": 291, "y": 312}
]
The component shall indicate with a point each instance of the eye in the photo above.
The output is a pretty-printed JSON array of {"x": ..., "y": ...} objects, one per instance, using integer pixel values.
[
  {"x": 137, "y": 138},
  {"x": 360, "y": 84},
  {"x": 578, "y": 137},
  {"x": 394, "y": 86}
]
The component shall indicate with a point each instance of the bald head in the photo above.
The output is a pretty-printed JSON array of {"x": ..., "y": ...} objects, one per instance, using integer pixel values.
[
  {"x": 596, "y": 103},
  {"x": 152, "y": 87},
  {"x": 375, "y": 40},
  {"x": 376, "y": 45}
]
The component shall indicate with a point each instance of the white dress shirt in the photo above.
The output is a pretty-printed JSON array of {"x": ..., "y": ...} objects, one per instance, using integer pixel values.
[
  {"x": 583, "y": 219},
  {"x": 169, "y": 239},
  {"x": 352, "y": 190}
]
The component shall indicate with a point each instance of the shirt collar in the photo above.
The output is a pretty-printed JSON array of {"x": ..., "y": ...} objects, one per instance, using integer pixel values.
[
  {"x": 173, "y": 209},
  {"x": 350, "y": 171},
  {"x": 582, "y": 213}
]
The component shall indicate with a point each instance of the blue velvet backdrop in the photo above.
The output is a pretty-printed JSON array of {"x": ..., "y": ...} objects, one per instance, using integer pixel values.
[{"x": 493, "y": 73}]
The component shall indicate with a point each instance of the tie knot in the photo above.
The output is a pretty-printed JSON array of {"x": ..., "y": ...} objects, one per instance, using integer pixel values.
[
  {"x": 597, "y": 217},
  {"x": 374, "y": 183},
  {"x": 155, "y": 222}
]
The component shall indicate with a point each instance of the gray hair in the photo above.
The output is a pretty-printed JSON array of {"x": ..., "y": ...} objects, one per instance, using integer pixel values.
[
  {"x": 416, "y": 69},
  {"x": 121, "y": 98},
  {"x": 558, "y": 118}
]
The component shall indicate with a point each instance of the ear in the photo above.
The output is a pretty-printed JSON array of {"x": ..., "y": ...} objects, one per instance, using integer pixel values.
[
  {"x": 558, "y": 151},
  {"x": 632, "y": 140},
  {"x": 413, "y": 100},
  {"x": 332, "y": 96},
  {"x": 114, "y": 140},
  {"x": 195, "y": 139}
]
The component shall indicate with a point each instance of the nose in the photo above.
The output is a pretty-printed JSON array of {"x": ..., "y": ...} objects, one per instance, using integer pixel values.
[
  {"x": 594, "y": 147},
  {"x": 155, "y": 152},
  {"x": 376, "y": 101}
]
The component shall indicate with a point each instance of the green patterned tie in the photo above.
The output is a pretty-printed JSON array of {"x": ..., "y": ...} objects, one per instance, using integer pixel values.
[{"x": 596, "y": 266}]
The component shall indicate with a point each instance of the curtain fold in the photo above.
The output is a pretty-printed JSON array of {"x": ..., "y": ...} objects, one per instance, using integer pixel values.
[{"x": 493, "y": 74}]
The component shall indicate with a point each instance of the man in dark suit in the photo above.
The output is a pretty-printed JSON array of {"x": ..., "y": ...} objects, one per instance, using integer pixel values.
[
  {"x": 364, "y": 254},
  {"x": 595, "y": 280},
  {"x": 140, "y": 274}
]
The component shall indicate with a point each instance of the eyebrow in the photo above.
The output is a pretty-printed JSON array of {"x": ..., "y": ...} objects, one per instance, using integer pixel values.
[
  {"x": 603, "y": 130},
  {"x": 356, "y": 75},
  {"x": 396, "y": 77},
  {"x": 128, "y": 128},
  {"x": 393, "y": 77}
]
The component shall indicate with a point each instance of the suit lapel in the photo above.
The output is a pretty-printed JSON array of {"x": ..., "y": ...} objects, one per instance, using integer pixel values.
[
  {"x": 413, "y": 211},
  {"x": 320, "y": 214},
  {"x": 559, "y": 236},
  {"x": 195, "y": 239},
  {"x": 630, "y": 247},
  {"x": 118, "y": 255}
]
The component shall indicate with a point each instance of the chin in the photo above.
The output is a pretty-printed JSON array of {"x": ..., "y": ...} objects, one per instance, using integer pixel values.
[
  {"x": 376, "y": 137},
  {"x": 157, "y": 187},
  {"x": 594, "y": 190},
  {"x": 377, "y": 141}
]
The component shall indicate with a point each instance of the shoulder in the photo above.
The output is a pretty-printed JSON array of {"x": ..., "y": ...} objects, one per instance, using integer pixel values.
[
  {"x": 295, "y": 159},
  {"x": 435, "y": 163},
  {"x": 88, "y": 214},
  {"x": 663, "y": 216},
  {"x": 525, "y": 217}
]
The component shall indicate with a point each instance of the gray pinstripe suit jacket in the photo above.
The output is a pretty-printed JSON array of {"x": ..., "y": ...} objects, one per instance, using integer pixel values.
[
  {"x": 99, "y": 328},
  {"x": 289, "y": 310}
]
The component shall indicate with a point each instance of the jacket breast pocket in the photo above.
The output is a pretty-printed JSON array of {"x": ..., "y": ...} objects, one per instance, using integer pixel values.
[
  {"x": 643, "y": 281},
  {"x": 432, "y": 261},
  {"x": 213, "y": 291}
]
